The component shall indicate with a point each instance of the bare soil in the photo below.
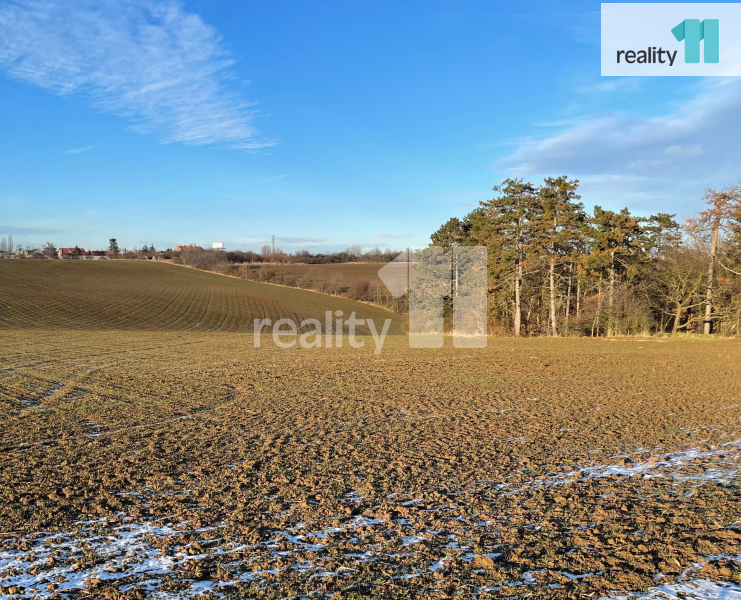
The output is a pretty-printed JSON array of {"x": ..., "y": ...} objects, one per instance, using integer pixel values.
[
  {"x": 151, "y": 296},
  {"x": 143, "y": 463}
]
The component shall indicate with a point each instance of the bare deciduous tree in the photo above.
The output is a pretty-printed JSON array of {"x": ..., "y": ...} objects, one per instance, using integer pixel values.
[{"x": 724, "y": 205}]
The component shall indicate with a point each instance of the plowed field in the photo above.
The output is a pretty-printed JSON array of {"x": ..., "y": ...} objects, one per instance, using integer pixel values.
[
  {"x": 348, "y": 272},
  {"x": 136, "y": 295},
  {"x": 183, "y": 464}
]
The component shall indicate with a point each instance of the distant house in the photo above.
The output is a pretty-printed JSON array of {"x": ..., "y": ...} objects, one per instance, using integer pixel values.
[
  {"x": 181, "y": 248},
  {"x": 72, "y": 253}
]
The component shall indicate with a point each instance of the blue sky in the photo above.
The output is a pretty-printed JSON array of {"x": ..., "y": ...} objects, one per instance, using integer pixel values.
[{"x": 329, "y": 123}]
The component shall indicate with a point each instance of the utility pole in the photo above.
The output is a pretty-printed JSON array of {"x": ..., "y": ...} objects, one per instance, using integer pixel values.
[{"x": 273, "y": 245}]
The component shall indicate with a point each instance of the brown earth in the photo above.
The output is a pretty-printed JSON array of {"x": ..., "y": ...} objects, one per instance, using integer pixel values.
[
  {"x": 142, "y": 295},
  {"x": 188, "y": 462},
  {"x": 349, "y": 272}
]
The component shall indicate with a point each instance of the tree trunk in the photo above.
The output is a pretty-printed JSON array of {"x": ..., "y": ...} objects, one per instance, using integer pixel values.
[
  {"x": 456, "y": 278},
  {"x": 708, "y": 324},
  {"x": 578, "y": 301},
  {"x": 518, "y": 286},
  {"x": 677, "y": 318},
  {"x": 518, "y": 305},
  {"x": 568, "y": 304},
  {"x": 599, "y": 305},
  {"x": 611, "y": 298},
  {"x": 554, "y": 328},
  {"x": 530, "y": 304}
]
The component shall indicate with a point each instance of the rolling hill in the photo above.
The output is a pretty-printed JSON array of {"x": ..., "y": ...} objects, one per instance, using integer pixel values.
[{"x": 135, "y": 295}]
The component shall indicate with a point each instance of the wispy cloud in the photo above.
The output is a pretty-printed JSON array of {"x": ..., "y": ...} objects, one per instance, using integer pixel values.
[
  {"x": 683, "y": 151},
  {"x": 155, "y": 64},
  {"x": 8, "y": 230},
  {"x": 276, "y": 177},
  {"x": 624, "y": 159},
  {"x": 79, "y": 150},
  {"x": 299, "y": 241}
]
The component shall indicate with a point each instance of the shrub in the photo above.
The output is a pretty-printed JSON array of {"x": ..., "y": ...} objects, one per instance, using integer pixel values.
[
  {"x": 360, "y": 290},
  {"x": 264, "y": 274}
]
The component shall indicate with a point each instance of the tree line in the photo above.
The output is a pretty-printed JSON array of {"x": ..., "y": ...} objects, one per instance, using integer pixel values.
[
  {"x": 193, "y": 255},
  {"x": 553, "y": 269},
  {"x": 353, "y": 253}
]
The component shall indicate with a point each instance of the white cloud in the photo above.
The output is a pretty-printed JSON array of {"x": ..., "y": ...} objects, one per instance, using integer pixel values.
[
  {"x": 647, "y": 163},
  {"x": 683, "y": 151},
  {"x": 162, "y": 68},
  {"x": 79, "y": 150}
]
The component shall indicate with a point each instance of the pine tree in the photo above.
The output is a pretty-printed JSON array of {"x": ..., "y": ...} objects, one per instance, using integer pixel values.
[
  {"x": 504, "y": 223},
  {"x": 614, "y": 235},
  {"x": 559, "y": 232}
]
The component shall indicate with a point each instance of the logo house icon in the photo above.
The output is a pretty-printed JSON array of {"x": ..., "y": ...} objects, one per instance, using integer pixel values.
[
  {"x": 430, "y": 276},
  {"x": 693, "y": 31}
]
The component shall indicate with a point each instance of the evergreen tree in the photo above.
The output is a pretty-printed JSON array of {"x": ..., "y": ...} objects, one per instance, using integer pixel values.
[
  {"x": 559, "y": 232},
  {"x": 626, "y": 274},
  {"x": 504, "y": 224},
  {"x": 614, "y": 235}
]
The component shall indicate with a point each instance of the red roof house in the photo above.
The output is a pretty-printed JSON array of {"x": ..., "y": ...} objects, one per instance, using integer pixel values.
[{"x": 71, "y": 252}]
